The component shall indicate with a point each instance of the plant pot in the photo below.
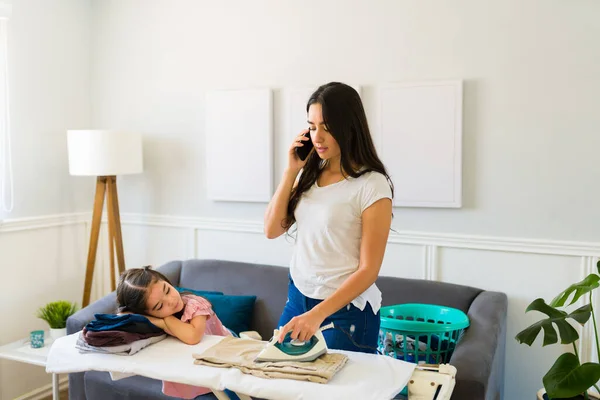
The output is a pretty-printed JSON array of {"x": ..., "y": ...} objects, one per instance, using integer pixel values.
[
  {"x": 541, "y": 395},
  {"x": 56, "y": 333}
]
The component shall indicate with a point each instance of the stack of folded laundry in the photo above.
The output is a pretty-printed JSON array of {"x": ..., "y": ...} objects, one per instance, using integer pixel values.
[
  {"x": 124, "y": 334},
  {"x": 241, "y": 354}
]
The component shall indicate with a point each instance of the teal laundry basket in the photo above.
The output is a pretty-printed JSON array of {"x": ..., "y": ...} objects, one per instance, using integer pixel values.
[{"x": 421, "y": 333}]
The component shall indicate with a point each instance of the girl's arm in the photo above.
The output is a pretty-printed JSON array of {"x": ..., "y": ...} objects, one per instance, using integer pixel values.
[
  {"x": 153, "y": 320},
  {"x": 376, "y": 223},
  {"x": 188, "y": 332},
  {"x": 159, "y": 322}
]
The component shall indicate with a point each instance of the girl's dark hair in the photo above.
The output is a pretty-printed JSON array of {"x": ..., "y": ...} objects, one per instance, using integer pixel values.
[
  {"x": 345, "y": 119},
  {"x": 132, "y": 290}
]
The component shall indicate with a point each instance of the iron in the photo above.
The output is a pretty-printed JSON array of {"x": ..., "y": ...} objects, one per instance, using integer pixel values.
[{"x": 294, "y": 350}]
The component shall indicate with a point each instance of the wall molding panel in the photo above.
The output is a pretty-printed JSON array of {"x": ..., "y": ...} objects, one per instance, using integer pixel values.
[{"x": 438, "y": 240}]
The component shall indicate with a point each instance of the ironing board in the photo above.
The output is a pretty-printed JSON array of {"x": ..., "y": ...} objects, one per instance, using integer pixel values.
[{"x": 365, "y": 376}]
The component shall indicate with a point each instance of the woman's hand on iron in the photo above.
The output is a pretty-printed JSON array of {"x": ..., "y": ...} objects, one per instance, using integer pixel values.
[{"x": 302, "y": 327}]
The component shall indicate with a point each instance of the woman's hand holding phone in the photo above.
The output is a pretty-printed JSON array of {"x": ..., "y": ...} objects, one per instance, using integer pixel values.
[{"x": 299, "y": 151}]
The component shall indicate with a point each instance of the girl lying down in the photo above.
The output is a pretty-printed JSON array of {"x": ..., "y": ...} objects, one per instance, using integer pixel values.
[{"x": 185, "y": 316}]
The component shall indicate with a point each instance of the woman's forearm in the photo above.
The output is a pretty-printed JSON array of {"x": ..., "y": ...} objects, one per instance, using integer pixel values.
[
  {"x": 352, "y": 287},
  {"x": 276, "y": 211}
]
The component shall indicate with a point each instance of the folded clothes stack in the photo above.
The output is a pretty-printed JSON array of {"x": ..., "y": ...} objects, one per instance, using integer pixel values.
[
  {"x": 237, "y": 353},
  {"x": 118, "y": 334}
]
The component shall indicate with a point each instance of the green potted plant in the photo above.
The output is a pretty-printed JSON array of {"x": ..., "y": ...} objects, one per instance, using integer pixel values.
[
  {"x": 55, "y": 314},
  {"x": 567, "y": 378}
]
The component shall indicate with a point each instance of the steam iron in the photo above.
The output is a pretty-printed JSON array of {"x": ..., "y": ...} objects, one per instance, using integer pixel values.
[{"x": 292, "y": 349}]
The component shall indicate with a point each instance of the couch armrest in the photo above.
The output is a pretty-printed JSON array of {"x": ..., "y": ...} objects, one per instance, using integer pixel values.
[
  {"x": 479, "y": 355},
  {"x": 105, "y": 305}
]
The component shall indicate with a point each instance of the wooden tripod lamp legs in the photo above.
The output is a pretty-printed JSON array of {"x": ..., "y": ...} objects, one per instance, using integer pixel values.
[{"x": 105, "y": 186}]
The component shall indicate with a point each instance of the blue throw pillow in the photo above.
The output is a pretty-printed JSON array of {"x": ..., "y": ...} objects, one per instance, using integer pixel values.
[{"x": 235, "y": 312}]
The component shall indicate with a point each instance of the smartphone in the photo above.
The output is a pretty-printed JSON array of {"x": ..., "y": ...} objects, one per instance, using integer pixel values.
[{"x": 303, "y": 151}]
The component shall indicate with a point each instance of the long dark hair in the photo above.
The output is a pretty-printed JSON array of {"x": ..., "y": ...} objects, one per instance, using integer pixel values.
[
  {"x": 345, "y": 119},
  {"x": 132, "y": 290}
]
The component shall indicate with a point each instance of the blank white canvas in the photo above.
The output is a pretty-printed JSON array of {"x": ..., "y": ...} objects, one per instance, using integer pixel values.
[
  {"x": 420, "y": 142},
  {"x": 239, "y": 145}
]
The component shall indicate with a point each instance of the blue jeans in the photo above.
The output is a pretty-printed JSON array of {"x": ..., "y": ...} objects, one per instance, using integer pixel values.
[{"x": 354, "y": 330}]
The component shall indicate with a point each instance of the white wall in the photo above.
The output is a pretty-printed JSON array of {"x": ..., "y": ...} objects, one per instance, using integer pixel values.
[
  {"x": 49, "y": 44},
  {"x": 530, "y": 120},
  {"x": 530, "y": 129}
]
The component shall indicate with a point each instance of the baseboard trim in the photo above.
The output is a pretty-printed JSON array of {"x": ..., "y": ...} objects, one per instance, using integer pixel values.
[{"x": 45, "y": 391}]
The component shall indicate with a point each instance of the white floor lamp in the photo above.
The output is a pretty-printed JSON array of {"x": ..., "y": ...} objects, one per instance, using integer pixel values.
[{"x": 104, "y": 154}]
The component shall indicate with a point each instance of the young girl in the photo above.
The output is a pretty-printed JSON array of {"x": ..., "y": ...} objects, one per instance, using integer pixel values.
[{"x": 186, "y": 316}]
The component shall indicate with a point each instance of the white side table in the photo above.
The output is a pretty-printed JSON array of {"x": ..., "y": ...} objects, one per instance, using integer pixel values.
[{"x": 21, "y": 351}]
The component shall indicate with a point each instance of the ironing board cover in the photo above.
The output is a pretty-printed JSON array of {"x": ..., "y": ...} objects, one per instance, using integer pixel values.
[{"x": 365, "y": 376}]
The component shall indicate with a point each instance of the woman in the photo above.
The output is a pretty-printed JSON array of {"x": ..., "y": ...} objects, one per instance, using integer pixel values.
[{"x": 340, "y": 199}]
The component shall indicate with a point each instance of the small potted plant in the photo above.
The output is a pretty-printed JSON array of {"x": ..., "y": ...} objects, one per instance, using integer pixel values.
[
  {"x": 55, "y": 314},
  {"x": 567, "y": 378}
]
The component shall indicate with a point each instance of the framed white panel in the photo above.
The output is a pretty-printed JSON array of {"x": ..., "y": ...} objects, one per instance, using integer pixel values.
[
  {"x": 5, "y": 10},
  {"x": 239, "y": 145},
  {"x": 420, "y": 142}
]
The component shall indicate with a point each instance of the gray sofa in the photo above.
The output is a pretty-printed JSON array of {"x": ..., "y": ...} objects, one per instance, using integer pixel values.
[{"x": 479, "y": 356}]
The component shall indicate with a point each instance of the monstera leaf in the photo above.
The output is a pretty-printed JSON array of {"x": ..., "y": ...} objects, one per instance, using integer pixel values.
[
  {"x": 579, "y": 289},
  {"x": 567, "y": 378},
  {"x": 568, "y": 334}
]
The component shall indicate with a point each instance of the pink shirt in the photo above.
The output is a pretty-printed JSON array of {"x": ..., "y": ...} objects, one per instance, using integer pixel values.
[{"x": 194, "y": 306}]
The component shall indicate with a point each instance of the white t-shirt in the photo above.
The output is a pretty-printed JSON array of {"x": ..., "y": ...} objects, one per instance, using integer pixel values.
[{"x": 329, "y": 228}]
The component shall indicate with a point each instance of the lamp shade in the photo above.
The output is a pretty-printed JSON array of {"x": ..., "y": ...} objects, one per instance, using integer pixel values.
[{"x": 104, "y": 152}]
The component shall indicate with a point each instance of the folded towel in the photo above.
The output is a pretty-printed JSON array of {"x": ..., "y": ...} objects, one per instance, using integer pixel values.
[
  {"x": 134, "y": 323},
  {"x": 115, "y": 338},
  {"x": 123, "y": 350},
  {"x": 240, "y": 354}
]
